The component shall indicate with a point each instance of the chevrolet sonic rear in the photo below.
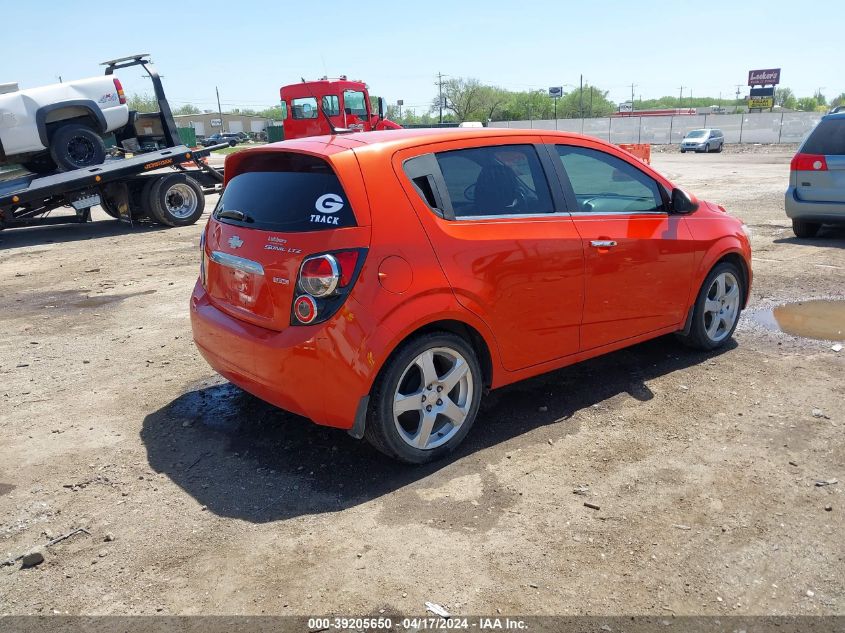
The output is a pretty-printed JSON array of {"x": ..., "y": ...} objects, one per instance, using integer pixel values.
[{"x": 381, "y": 282}]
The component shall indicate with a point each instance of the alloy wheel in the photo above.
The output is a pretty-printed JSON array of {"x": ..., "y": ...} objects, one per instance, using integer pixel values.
[
  {"x": 433, "y": 398},
  {"x": 721, "y": 306}
]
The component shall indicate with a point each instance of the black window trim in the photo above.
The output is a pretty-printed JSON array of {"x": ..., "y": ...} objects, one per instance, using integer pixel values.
[
  {"x": 569, "y": 191},
  {"x": 547, "y": 168}
]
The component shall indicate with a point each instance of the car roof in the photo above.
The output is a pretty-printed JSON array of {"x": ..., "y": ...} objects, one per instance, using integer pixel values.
[
  {"x": 835, "y": 116},
  {"x": 414, "y": 137}
]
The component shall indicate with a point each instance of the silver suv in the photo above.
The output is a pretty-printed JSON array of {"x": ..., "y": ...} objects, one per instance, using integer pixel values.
[
  {"x": 816, "y": 193},
  {"x": 704, "y": 140}
]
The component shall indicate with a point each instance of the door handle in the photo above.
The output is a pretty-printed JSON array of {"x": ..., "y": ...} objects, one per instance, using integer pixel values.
[{"x": 603, "y": 243}]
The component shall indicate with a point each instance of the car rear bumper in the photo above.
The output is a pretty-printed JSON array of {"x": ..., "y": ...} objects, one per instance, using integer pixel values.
[
  {"x": 290, "y": 369},
  {"x": 811, "y": 211}
]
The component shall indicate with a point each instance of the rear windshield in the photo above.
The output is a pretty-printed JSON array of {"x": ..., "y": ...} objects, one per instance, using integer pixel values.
[
  {"x": 828, "y": 138},
  {"x": 285, "y": 192}
]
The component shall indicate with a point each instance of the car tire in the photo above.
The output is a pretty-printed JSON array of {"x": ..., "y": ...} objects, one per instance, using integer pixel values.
[
  {"x": 416, "y": 377},
  {"x": 75, "y": 145},
  {"x": 683, "y": 151},
  {"x": 40, "y": 164},
  {"x": 721, "y": 147},
  {"x": 805, "y": 230},
  {"x": 232, "y": 143},
  {"x": 717, "y": 308},
  {"x": 707, "y": 148},
  {"x": 175, "y": 200}
]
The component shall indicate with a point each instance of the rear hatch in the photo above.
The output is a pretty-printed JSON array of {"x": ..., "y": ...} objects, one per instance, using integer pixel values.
[
  {"x": 818, "y": 170},
  {"x": 277, "y": 209}
]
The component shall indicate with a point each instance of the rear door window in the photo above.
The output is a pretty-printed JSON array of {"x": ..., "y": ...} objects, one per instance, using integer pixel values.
[
  {"x": 495, "y": 181},
  {"x": 285, "y": 192},
  {"x": 827, "y": 138}
]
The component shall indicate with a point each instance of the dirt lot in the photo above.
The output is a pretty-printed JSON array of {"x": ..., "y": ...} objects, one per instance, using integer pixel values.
[{"x": 201, "y": 499}]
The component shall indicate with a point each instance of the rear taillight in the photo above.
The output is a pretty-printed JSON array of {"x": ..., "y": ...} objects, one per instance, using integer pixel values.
[
  {"x": 808, "y": 162},
  {"x": 319, "y": 275},
  {"x": 324, "y": 282},
  {"x": 121, "y": 96}
]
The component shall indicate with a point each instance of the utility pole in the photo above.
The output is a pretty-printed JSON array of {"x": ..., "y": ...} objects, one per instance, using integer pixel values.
[
  {"x": 219, "y": 110},
  {"x": 681, "y": 96},
  {"x": 440, "y": 93},
  {"x": 736, "y": 105},
  {"x": 591, "y": 102},
  {"x": 633, "y": 85},
  {"x": 581, "y": 98}
]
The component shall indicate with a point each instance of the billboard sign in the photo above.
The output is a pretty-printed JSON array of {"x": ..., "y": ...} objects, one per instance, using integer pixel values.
[
  {"x": 762, "y": 92},
  {"x": 761, "y": 102},
  {"x": 626, "y": 107},
  {"x": 765, "y": 77},
  {"x": 216, "y": 122},
  {"x": 556, "y": 92}
]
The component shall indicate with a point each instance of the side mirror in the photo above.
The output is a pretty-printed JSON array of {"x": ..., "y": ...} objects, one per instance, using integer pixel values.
[
  {"x": 682, "y": 202},
  {"x": 381, "y": 108}
]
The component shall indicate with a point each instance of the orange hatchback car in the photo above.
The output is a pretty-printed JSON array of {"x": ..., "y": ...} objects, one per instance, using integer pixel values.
[{"x": 381, "y": 282}]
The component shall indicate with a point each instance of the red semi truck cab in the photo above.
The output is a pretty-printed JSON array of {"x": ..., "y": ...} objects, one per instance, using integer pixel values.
[{"x": 310, "y": 105}]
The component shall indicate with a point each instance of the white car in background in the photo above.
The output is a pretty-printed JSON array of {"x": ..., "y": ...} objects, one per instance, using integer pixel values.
[{"x": 60, "y": 126}]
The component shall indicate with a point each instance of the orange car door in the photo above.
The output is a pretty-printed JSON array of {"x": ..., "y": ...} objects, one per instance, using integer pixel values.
[
  {"x": 638, "y": 257},
  {"x": 511, "y": 254}
]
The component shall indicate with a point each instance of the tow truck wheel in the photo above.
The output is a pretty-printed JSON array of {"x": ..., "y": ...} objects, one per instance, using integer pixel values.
[
  {"x": 176, "y": 200},
  {"x": 75, "y": 145}
]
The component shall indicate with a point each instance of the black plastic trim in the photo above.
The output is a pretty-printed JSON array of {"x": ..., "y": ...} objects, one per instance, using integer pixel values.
[{"x": 88, "y": 104}]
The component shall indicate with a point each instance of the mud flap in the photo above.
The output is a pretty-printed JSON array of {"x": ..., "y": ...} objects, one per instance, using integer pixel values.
[{"x": 357, "y": 430}]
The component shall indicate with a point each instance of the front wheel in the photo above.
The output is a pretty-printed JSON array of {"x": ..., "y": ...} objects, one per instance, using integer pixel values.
[
  {"x": 426, "y": 399},
  {"x": 717, "y": 308},
  {"x": 707, "y": 148},
  {"x": 721, "y": 147}
]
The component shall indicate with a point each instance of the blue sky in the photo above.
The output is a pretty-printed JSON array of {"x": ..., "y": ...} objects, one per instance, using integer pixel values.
[{"x": 399, "y": 47}]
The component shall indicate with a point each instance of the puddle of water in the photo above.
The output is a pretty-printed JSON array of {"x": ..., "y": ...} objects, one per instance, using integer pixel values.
[
  {"x": 818, "y": 319},
  {"x": 6, "y": 489}
]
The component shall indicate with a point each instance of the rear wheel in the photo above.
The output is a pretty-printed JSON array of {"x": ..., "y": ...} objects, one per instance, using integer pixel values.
[
  {"x": 426, "y": 399},
  {"x": 173, "y": 200},
  {"x": 805, "y": 229},
  {"x": 74, "y": 145},
  {"x": 40, "y": 164},
  {"x": 717, "y": 308}
]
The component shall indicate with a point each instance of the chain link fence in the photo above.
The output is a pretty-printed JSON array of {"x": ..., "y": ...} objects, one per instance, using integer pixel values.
[{"x": 753, "y": 127}]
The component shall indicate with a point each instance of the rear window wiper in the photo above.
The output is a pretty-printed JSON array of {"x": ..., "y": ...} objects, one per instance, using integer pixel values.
[{"x": 233, "y": 214}]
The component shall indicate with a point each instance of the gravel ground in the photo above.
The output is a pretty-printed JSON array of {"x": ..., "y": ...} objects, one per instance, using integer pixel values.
[{"x": 198, "y": 499}]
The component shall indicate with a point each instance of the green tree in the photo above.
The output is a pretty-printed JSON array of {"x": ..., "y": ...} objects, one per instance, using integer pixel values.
[
  {"x": 785, "y": 98},
  {"x": 142, "y": 102},
  {"x": 188, "y": 108},
  {"x": 463, "y": 97},
  {"x": 807, "y": 104},
  {"x": 838, "y": 101}
]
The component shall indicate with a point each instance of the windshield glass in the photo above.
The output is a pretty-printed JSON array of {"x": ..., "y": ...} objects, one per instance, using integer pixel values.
[{"x": 697, "y": 134}]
